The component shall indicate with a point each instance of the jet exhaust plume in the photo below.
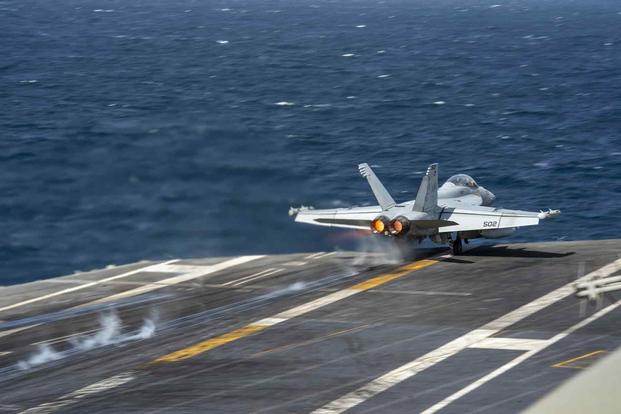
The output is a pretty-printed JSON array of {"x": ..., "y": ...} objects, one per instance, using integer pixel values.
[{"x": 377, "y": 251}]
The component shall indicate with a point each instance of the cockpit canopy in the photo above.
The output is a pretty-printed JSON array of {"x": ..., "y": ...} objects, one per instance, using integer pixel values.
[{"x": 463, "y": 180}]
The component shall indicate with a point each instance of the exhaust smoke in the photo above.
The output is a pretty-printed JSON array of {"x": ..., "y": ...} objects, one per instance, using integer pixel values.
[
  {"x": 376, "y": 251},
  {"x": 109, "y": 333}
]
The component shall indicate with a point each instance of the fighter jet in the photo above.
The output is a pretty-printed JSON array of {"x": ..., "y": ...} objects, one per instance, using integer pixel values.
[{"x": 458, "y": 210}]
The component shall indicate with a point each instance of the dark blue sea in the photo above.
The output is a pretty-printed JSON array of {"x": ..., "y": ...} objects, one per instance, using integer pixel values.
[{"x": 135, "y": 129}]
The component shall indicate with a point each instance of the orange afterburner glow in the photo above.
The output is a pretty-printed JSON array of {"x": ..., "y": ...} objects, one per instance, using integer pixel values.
[
  {"x": 400, "y": 225},
  {"x": 379, "y": 225}
]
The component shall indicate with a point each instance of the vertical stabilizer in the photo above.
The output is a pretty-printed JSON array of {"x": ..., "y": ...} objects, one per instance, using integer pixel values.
[
  {"x": 427, "y": 197},
  {"x": 379, "y": 191}
]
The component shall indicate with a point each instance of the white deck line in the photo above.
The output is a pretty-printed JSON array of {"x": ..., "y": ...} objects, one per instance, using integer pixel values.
[
  {"x": 75, "y": 396},
  {"x": 510, "y": 344},
  {"x": 241, "y": 279},
  {"x": 265, "y": 322},
  {"x": 206, "y": 270},
  {"x": 198, "y": 271},
  {"x": 151, "y": 268},
  {"x": 412, "y": 368},
  {"x": 516, "y": 361},
  {"x": 312, "y": 256},
  {"x": 252, "y": 279}
]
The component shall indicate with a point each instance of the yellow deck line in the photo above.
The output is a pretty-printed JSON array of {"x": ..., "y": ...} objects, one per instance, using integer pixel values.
[
  {"x": 569, "y": 361},
  {"x": 402, "y": 271},
  {"x": 211, "y": 343},
  {"x": 262, "y": 324}
]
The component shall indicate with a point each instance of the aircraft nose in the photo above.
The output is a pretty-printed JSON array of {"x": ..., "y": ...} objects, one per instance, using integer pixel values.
[
  {"x": 491, "y": 196},
  {"x": 488, "y": 197}
]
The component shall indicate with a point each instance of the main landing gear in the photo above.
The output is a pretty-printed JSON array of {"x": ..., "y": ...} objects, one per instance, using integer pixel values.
[{"x": 456, "y": 246}]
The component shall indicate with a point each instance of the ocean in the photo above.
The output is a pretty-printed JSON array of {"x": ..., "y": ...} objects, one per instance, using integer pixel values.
[{"x": 134, "y": 129}]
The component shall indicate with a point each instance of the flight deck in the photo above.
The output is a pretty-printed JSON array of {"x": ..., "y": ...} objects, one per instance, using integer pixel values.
[{"x": 489, "y": 331}]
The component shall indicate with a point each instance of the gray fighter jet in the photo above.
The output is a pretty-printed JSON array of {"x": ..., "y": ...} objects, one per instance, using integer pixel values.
[{"x": 459, "y": 210}]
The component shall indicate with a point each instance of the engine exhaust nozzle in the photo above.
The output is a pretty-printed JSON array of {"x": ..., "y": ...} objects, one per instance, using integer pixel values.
[
  {"x": 380, "y": 225},
  {"x": 399, "y": 226}
]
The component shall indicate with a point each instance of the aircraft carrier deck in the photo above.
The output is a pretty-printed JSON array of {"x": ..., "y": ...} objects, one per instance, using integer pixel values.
[{"x": 490, "y": 331}]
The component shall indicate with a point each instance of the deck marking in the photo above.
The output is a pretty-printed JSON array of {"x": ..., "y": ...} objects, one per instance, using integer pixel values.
[
  {"x": 197, "y": 271},
  {"x": 252, "y": 279},
  {"x": 518, "y": 360},
  {"x": 246, "y": 277},
  {"x": 564, "y": 364},
  {"x": 314, "y": 255},
  {"x": 204, "y": 346},
  {"x": 261, "y": 324},
  {"x": 254, "y": 276},
  {"x": 451, "y": 348},
  {"x": 510, "y": 344},
  {"x": 150, "y": 268},
  {"x": 75, "y": 396},
  {"x": 320, "y": 255},
  {"x": 422, "y": 292},
  {"x": 194, "y": 274}
]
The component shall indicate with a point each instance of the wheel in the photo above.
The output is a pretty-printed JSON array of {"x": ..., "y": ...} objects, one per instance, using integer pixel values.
[{"x": 457, "y": 246}]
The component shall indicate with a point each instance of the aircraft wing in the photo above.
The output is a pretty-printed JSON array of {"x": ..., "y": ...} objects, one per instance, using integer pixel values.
[
  {"x": 351, "y": 218},
  {"x": 488, "y": 218}
]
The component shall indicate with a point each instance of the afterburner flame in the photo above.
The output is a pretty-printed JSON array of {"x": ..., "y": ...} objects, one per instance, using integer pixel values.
[{"x": 379, "y": 225}]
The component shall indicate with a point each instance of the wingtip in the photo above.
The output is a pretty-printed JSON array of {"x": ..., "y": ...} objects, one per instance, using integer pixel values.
[
  {"x": 364, "y": 169},
  {"x": 548, "y": 214},
  {"x": 432, "y": 168}
]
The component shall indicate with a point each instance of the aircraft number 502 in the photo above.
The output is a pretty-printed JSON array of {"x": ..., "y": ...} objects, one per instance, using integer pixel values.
[{"x": 490, "y": 223}]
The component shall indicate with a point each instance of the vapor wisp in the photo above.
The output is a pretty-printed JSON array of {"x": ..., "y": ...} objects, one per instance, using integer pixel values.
[
  {"x": 376, "y": 251},
  {"x": 109, "y": 333}
]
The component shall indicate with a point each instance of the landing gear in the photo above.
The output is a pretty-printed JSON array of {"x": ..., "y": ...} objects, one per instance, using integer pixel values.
[{"x": 456, "y": 246}]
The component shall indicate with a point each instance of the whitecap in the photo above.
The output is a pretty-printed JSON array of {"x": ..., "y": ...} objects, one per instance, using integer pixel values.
[
  {"x": 225, "y": 9},
  {"x": 318, "y": 106},
  {"x": 608, "y": 44},
  {"x": 542, "y": 164},
  {"x": 439, "y": 103},
  {"x": 469, "y": 105},
  {"x": 348, "y": 54},
  {"x": 381, "y": 51},
  {"x": 493, "y": 6},
  {"x": 222, "y": 42},
  {"x": 360, "y": 26},
  {"x": 383, "y": 76},
  {"x": 351, "y": 97},
  {"x": 103, "y": 10},
  {"x": 284, "y": 103}
]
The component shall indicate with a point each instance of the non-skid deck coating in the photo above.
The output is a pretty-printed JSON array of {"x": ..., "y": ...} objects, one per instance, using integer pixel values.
[{"x": 490, "y": 331}]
